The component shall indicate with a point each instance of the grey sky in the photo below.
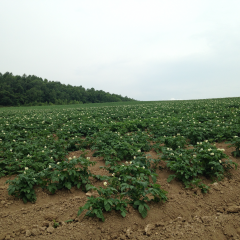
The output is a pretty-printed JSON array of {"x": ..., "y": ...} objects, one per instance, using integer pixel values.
[{"x": 143, "y": 49}]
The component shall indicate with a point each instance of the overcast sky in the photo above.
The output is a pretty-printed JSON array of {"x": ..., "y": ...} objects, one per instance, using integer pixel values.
[{"x": 143, "y": 49}]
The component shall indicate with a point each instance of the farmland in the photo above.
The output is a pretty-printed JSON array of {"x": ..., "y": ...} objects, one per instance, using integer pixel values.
[{"x": 130, "y": 170}]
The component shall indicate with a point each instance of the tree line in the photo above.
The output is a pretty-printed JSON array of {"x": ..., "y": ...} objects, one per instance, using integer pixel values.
[{"x": 34, "y": 91}]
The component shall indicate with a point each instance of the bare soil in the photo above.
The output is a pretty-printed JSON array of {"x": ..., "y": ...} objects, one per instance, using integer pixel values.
[{"x": 188, "y": 214}]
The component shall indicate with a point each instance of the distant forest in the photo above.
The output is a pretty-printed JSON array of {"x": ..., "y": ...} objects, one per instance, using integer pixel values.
[{"x": 34, "y": 91}]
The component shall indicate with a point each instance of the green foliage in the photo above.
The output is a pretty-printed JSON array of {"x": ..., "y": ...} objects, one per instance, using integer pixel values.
[
  {"x": 69, "y": 220},
  {"x": 34, "y": 143},
  {"x": 97, "y": 205},
  {"x": 203, "y": 160},
  {"x": 65, "y": 175},
  {"x": 34, "y": 91},
  {"x": 128, "y": 184},
  {"x": 54, "y": 177},
  {"x": 55, "y": 224},
  {"x": 142, "y": 207},
  {"x": 235, "y": 142},
  {"x": 22, "y": 186},
  {"x": 175, "y": 142}
]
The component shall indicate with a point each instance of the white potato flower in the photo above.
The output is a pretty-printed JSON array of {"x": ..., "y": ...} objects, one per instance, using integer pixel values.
[{"x": 105, "y": 183}]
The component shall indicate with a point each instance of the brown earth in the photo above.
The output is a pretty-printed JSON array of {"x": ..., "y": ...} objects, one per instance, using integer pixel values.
[{"x": 188, "y": 214}]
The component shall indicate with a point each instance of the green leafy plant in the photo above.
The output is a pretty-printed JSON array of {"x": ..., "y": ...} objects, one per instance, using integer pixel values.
[
  {"x": 142, "y": 207},
  {"x": 133, "y": 181},
  {"x": 204, "y": 159},
  {"x": 65, "y": 174},
  {"x": 97, "y": 205},
  {"x": 235, "y": 142},
  {"x": 22, "y": 186},
  {"x": 175, "y": 142},
  {"x": 55, "y": 224}
]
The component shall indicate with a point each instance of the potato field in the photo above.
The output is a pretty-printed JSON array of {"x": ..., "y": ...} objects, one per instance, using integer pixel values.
[{"x": 135, "y": 170}]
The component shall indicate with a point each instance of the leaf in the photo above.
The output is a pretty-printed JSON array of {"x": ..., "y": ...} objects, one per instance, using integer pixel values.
[
  {"x": 99, "y": 214},
  {"x": 146, "y": 206},
  {"x": 123, "y": 213},
  {"x": 68, "y": 185},
  {"x": 24, "y": 199},
  {"x": 141, "y": 208},
  {"x": 154, "y": 178},
  {"x": 105, "y": 201},
  {"x": 89, "y": 186},
  {"x": 80, "y": 211},
  {"x": 144, "y": 213},
  {"x": 70, "y": 220},
  {"x": 138, "y": 202},
  {"x": 170, "y": 178},
  {"x": 107, "y": 207},
  {"x": 11, "y": 189},
  {"x": 52, "y": 188}
]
